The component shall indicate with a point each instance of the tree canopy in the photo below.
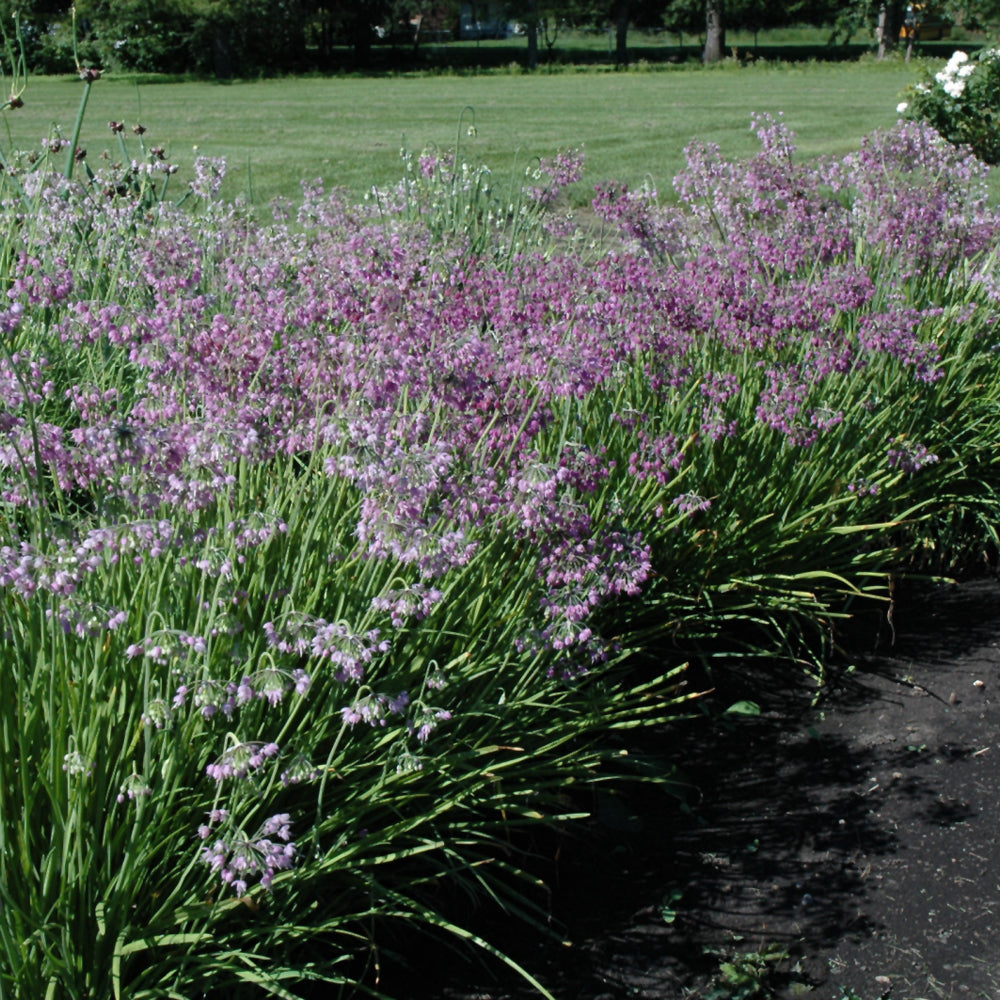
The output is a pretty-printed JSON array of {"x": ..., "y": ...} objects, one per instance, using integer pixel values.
[{"x": 249, "y": 37}]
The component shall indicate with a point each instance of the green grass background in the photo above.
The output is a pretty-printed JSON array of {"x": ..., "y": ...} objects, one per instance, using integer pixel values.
[{"x": 348, "y": 130}]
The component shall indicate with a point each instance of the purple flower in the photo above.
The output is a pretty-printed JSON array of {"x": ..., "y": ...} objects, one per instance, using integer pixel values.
[
  {"x": 238, "y": 857},
  {"x": 304, "y": 635},
  {"x": 134, "y": 786},
  {"x": 691, "y": 503},
  {"x": 909, "y": 456},
  {"x": 241, "y": 759},
  {"x": 209, "y": 173}
]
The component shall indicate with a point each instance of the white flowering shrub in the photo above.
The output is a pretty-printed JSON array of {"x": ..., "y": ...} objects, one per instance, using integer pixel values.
[{"x": 961, "y": 102}]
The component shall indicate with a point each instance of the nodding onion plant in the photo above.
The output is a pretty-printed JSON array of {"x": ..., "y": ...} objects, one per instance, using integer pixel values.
[{"x": 330, "y": 548}]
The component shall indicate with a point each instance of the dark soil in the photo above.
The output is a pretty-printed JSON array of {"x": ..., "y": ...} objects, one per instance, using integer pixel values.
[{"x": 847, "y": 845}]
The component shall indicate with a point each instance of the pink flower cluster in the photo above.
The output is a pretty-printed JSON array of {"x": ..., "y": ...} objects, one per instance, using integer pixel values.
[{"x": 239, "y": 858}]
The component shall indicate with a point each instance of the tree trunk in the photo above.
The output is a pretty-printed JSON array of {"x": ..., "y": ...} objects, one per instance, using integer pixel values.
[
  {"x": 324, "y": 41},
  {"x": 715, "y": 30},
  {"x": 621, "y": 33},
  {"x": 362, "y": 46},
  {"x": 222, "y": 51},
  {"x": 889, "y": 20},
  {"x": 911, "y": 28},
  {"x": 533, "y": 34}
]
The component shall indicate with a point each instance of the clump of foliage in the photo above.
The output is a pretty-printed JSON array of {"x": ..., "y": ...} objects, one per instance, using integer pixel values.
[
  {"x": 746, "y": 974},
  {"x": 961, "y": 102}
]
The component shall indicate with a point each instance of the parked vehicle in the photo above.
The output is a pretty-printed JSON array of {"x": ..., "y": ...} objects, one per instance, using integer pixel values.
[{"x": 923, "y": 24}]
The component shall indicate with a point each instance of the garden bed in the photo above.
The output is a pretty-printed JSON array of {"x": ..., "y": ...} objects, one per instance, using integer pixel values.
[
  {"x": 352, "y": 562},
  {"x": 844, "y": 846}
]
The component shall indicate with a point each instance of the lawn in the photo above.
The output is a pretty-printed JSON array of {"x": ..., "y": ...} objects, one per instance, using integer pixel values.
[{"x": 275, "y": 133}]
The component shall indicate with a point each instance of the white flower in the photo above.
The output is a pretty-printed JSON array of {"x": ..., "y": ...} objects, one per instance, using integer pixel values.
[
  {"x": 955, "y": 67},
  {"x": 901, "y": 107},
  {"x": 967, "y": 70},
  {"x": 954, "y": 88}
]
